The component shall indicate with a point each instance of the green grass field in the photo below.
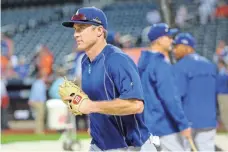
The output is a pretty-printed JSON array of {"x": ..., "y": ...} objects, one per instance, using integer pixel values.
[{"x": 7, "y": 138}]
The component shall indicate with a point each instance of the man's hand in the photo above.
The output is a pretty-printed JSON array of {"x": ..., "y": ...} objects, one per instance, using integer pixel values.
[
  {"x": 74, "y": 97},
  {"x": 84, "y": 107},
  {"x": 187, "y": 133}
]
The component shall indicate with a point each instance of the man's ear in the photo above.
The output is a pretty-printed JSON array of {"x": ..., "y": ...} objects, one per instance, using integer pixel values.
[
  {"x": 100, "y": 31},
  {"x": 190, "y": 50},
  {"x": 159, "y": 41}
]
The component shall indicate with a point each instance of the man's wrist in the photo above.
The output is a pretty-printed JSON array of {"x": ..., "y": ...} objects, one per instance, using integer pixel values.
[{"x": 93, "y": 107}]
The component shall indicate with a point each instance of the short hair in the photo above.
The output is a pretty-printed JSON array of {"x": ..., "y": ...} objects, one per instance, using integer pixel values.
[
  {"x": 105, "y": 34},
  {"x": 105, "y": 31}
]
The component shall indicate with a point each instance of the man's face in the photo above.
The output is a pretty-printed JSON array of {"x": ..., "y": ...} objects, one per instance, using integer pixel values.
[
  {"x": 165, "y": 42},
  {"x": 85, "y": 36},
  {"x": 180, "y": 51}
]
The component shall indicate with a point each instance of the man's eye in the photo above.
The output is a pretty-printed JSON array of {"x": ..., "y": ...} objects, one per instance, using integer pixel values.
[
  {"x": 82, "y": 28},
  {"x": 79, "y": 29}
]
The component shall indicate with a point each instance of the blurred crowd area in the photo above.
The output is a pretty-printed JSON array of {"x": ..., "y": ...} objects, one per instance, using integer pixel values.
[{"x": 36, "y": 51}]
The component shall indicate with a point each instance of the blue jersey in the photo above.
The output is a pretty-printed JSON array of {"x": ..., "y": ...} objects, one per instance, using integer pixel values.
[
  {"x": 163, "y": 113},
  {"x": 112, "y": 74},
  {"x": 196, "y": 77}
]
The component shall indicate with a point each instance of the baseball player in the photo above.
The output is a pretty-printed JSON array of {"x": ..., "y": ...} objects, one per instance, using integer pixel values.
[
  {"x": 163, "y": 113},
  {"x": 197, "y": 83},
  {"x": 111, "y": 81}
]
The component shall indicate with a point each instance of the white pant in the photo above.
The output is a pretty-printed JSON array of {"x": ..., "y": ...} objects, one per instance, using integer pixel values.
[
  {"x": 204, "y": 139},
  {"x": 147, "y": 146},
  {"x": 172, "y": 142}
]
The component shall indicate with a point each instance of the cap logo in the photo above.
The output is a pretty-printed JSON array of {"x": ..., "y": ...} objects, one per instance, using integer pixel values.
[
  {"x": 97, "y": 20},
  {"x": 184, "y": 41},
  {"x": 166, "y": 30},
  {"x": 77, "y": 12}
]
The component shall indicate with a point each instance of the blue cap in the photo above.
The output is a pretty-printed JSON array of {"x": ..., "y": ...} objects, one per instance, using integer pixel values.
[
  {"x": 159, "y": 30},
  {"x": 88, "y": 15},
  {"x": 184, "y": 38}
]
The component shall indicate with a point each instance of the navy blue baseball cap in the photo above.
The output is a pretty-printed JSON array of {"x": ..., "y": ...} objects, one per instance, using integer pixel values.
[
  {"x": 159, "y": 30},
  {"x": 88, "y": 15},
  {"x": 184, "y": 38}
]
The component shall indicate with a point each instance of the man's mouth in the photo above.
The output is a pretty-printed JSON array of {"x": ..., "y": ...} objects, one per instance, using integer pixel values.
[{"x": 78, "y": 42}]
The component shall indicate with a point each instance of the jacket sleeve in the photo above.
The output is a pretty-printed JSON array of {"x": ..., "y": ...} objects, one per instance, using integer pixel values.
[{"x": 169, "y": 95}]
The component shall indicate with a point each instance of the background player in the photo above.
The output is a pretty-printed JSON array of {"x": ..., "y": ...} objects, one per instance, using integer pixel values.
[
  {"x": 197, "y": 83},
  {"x": 110, "y": 79},
  {"x": 163, "y": 113}
]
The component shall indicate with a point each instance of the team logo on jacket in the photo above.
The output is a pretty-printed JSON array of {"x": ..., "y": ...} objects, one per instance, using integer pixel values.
[{"x": 77, "y": 99}]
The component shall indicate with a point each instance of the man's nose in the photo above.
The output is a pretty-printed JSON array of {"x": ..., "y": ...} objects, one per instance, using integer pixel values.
[{"x": 76, "y": 34}]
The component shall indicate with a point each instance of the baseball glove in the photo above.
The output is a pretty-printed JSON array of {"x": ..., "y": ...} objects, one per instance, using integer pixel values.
[{"x": 69, "y": 88}]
